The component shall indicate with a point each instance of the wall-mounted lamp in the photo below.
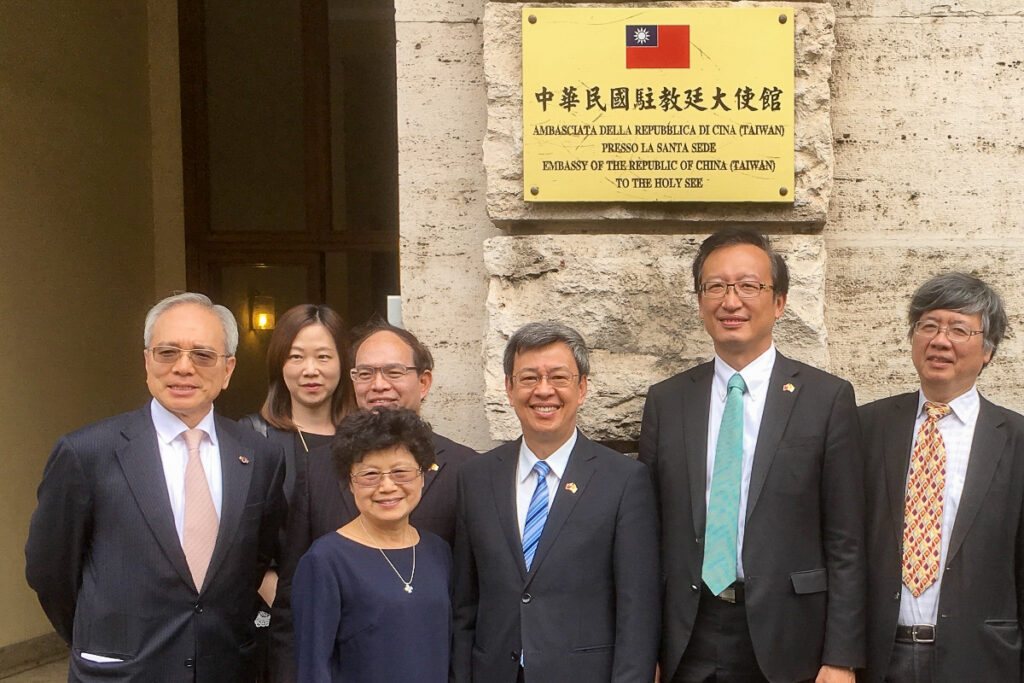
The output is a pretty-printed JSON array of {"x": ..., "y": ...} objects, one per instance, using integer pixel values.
[{"x": 262, "y": 308}]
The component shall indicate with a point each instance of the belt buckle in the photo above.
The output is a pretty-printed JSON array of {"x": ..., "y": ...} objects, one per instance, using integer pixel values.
[
  {"x": 922, "y": 633},
  {"x": 728, "y": 595}
]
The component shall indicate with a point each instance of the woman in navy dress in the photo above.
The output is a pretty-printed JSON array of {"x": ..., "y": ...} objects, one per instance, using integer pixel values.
[{"x": 371, "y": 602}]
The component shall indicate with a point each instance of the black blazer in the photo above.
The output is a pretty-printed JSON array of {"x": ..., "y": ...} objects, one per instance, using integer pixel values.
[
  {"x": 588, "y": 608},
  {"x": 978, "y": 635},
  {"x": 105, "y": 559},
  {"x": 803, "y": 548},
  {"x": 321, "y": 504}
]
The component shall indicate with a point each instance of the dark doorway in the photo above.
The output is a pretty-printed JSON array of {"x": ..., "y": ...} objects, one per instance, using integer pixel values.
[{"x": 291, "y": 162}]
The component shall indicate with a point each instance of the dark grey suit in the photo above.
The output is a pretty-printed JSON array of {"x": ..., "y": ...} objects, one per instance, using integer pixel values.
[
  {"x": 803, "y": 548},
  {"x": 105, "y": 559},
  {"x": 588, "y": 608},
  {"x": 981, "y": 600}
]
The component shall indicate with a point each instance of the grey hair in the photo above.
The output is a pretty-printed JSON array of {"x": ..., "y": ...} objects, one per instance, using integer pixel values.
[
  {"x": 962, "y": 293},
  {"x": 227, "y": 318},
  {"x": 538, "y": 335}
]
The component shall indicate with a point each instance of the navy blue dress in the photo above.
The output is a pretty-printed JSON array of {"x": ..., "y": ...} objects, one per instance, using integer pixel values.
[{"x": 354, "y": 622}]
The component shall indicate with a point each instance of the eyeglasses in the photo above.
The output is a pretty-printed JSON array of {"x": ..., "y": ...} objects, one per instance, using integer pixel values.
[
  {"x": 372, "y": 478},
  {"x": 957, "y": 334},
  {"x": 560, "y": 379},
  {"x": 745, "y": 289},
  {"x": 392, "y": 371},
  {"x": 201, "y": 358}
]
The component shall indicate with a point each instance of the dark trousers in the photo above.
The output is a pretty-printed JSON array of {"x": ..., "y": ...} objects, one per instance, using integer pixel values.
[
  {"x": 720, "y": 649},
  {"x": 912, "y": 663}
]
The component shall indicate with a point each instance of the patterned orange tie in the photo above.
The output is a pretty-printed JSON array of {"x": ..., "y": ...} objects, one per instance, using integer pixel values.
[
  {"x": 201, "y": 523},
  {"x": 922, "y": 519}
]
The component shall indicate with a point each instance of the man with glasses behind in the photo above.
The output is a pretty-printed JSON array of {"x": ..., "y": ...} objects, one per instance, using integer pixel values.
[
  {"x": 945, "y": 494},
  {"x": 154, "y": 528},
  {"x": 758, "y": 471},
  {"x": 391, "y": 369}
]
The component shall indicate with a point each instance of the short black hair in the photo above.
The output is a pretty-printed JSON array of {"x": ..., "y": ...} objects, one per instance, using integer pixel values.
[
  {"x": 729, "y": 237},
  {"x": 533, "y": 336},
  {"x": 421, "y": 358},
  {"x": 366, "y": 431}
]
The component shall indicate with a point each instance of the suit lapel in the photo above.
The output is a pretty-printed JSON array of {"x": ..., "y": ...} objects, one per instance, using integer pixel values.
[
  {"x": 777, "y": 410},
  {"x": 139, "y": 458},
  {"x": 695, "y": 440},
  {"x": 236, "y": 464},
  {"x": 986, "y": 451},
  {"x": 503, "y": 491},
  {"x": 431, "y": 474},
  {"x": 898, "y": 438},
  {"x": 578, "y": 471}
]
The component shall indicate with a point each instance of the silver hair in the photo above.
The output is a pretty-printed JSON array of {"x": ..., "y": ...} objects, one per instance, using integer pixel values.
[
  {"x": 227, "y": 318},
  {"x": 537, "y": 335},
  {"x": 962, "y": 293}
]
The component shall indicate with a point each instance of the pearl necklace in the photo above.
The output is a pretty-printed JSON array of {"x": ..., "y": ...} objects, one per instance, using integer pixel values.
[{"x": 408, "y": 584}]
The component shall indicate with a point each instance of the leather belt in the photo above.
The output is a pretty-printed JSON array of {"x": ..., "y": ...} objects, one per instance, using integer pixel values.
[
  {"x": 918, "y": 633},
  {"x": 733, "y": 594}
]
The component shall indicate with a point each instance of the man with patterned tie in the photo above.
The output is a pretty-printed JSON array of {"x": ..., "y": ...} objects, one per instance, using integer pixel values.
[
  {"x": 154, "y": 527},
  {"x": 556, "y": 558},
  {"x": 945, "y": 496},
  {"x": 758, "y": 472}
]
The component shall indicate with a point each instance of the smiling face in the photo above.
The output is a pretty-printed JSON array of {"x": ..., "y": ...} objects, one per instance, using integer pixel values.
[
  {"x": 182, "y": 388},
  {"x": 547, "y": 414},
  {"x": 312, "y": 368},
  {"x": 948, "y": 370},
  {"x": 388, "y": 504},
  {"x": 740, "y": 328},
  {"x": 387, "y": 348}
]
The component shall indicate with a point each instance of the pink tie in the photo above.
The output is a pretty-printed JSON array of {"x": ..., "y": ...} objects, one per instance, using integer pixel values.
[{"x": 200, "y": 534}]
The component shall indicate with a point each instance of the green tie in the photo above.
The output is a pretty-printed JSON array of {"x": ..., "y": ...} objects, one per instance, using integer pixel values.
[{"x": 719, "y": 569}]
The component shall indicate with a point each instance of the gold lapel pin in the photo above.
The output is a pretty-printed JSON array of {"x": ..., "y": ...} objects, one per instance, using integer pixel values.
[
  {"x": 571, "y": 487},
  {"x": 788, "y": 387},
  {"x": 244, "y": 460},
  {"x": 434, "y": 467}
]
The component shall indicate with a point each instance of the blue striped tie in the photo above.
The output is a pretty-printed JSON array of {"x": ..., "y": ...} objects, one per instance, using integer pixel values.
[
  {"x": 537, "y": 513},
  {"x": 719, "y": 570}
]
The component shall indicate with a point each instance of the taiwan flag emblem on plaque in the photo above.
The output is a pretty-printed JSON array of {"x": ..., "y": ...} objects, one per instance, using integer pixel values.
[{"x": 657, "y": 46}]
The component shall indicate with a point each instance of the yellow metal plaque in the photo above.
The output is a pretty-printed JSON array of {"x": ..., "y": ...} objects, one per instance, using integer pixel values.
[{"x": 648, "y": 105}]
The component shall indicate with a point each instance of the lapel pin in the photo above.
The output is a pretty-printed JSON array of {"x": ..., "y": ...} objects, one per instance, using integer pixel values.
[
  {"x": 434, "y": 467},
  {"x": 571, "y": 487},
  {"x": 788, "y": 387},
  {"x": 244, "y": 460}
]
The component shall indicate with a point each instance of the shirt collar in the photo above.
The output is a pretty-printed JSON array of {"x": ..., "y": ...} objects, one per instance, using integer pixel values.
[
  {"x": 557, "y": 461},
  {"x": 755, "y": 375},
  {"x": 965, "y": 406},
  {"x": 169, "y": 426}
]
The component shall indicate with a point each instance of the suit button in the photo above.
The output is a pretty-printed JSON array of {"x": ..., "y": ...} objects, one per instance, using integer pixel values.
[
  {"x": 896, "y": 596},
  {"x": 189, "y": 663},
  {"x": 198, "y": 608},
  {"x": 526, "y": 598},
  {"x": 515, "y": 655},
  {"x": 699, "y": 540}
]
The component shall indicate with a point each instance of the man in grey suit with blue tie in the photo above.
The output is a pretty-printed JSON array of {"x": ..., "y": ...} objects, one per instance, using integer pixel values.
[
  {"x": 945, "y": 494},
  {"x": 154, "y": 527},
  {"x": 758, "y": 473},
  {"x": 556, "y": 558}
]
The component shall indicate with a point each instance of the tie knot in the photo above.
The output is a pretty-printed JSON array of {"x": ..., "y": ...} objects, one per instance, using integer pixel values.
[
  {"x": 937, "y": 411},
  {"x": 193, "y": 437},
  {"x": 541, "y": 468},
  {"x": 736, "y": 382}
]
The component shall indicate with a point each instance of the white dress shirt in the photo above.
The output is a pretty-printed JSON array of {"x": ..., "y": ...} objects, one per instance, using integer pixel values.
[
  {"x": 756, "y": 376},
  {"x": 170, "y": 437},
  {"x": 526, "y": 478},
  {"x": 957, "y": 430}
]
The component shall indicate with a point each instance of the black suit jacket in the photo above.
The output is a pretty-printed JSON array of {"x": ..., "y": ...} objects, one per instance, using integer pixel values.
[
  {"x": 803, "y": 548},
  {"x": 981, "y": 599},
  {"x": 588, "y": 608},
  {"x": 321, "y": 504},
  {"x": 105, "y": 559}
]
